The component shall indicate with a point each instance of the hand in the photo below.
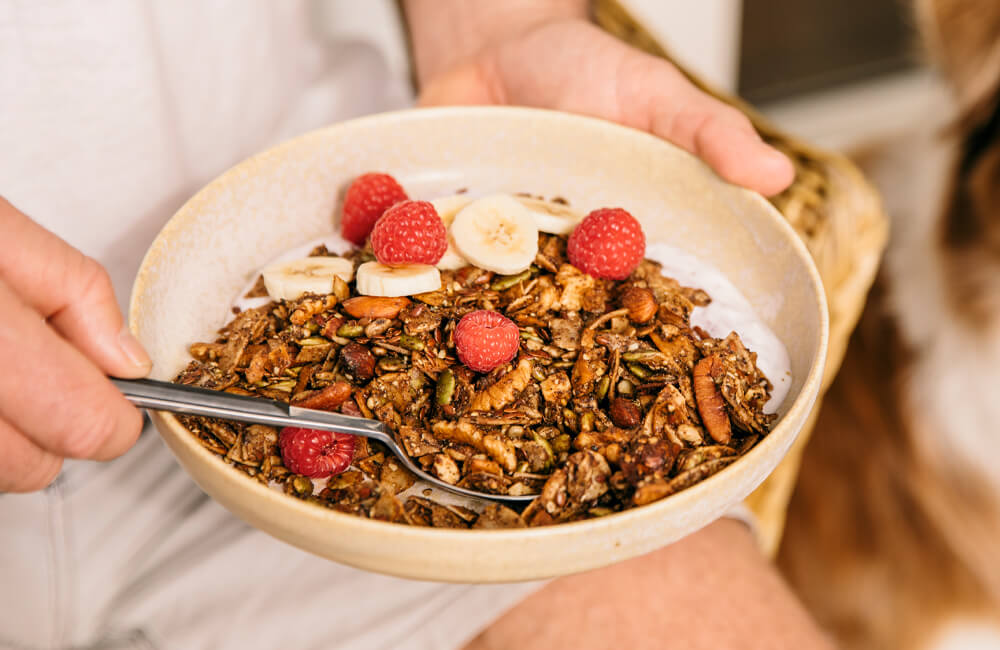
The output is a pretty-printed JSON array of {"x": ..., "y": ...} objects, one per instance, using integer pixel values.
[
  {"x": 565, "y": 63},
  {"x": 61, "y": 335}
]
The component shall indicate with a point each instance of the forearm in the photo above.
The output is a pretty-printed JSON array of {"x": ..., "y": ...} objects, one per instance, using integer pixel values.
[
  {"x": 446, "y": 32},
  {"x": 711, "y": 590}
]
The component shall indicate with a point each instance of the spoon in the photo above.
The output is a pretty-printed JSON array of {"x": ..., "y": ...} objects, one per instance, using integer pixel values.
[{"x": 191, "y": 400}]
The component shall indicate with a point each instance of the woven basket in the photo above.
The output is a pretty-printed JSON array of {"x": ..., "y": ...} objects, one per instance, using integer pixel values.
[{"x": 840, "y": 218}]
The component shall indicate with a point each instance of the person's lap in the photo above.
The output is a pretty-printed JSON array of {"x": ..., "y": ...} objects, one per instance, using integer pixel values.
[{"x": 131, "y": 554}]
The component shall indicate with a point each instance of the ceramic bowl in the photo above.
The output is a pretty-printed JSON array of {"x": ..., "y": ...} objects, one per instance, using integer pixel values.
[{"x": 289, "y": 195}]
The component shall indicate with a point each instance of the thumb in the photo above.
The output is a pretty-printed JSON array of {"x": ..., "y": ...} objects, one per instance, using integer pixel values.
[
  {"x": 716, "y": 132},
  {"x": 71, "y": 291}
]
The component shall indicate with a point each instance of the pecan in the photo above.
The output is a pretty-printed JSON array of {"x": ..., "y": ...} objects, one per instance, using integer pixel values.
[
  {"x": 375, "y": 306},
  {"x": 328, "y": 399},
  {"x": 358, "y": 360},
  {"x": 711, "y": 405},
  {"x": 624, "y": 413}
]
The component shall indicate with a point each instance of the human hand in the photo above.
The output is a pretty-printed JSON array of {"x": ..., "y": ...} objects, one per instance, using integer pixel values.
[
  {"x": 62, "y": 334},
  {"x": 560, "y": 61}
]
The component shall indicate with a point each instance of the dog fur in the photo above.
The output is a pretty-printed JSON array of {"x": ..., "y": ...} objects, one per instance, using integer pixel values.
[{"x": 893, "y": 534}]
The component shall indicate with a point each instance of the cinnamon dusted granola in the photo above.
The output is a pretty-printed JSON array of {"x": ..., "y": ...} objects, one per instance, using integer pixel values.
[{"x": 614, "y": 399}]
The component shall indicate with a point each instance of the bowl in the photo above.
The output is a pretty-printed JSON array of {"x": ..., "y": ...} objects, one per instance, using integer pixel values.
[{"x": 289, "y": 195}]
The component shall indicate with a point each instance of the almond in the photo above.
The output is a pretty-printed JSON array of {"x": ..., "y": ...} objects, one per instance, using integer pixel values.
[
  {"x": 624, "y": 413},
  {"x": 375, "y": 306}
]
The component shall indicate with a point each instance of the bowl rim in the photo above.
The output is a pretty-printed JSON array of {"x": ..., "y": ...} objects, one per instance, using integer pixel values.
[{"x": 348, "y": 523}]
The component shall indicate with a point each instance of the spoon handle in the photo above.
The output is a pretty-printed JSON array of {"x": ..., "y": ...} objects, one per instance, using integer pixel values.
[{"x": 192, "y": 400}]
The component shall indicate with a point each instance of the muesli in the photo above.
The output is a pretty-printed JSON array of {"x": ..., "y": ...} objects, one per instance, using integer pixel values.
[{"x": 518, "y": 349}]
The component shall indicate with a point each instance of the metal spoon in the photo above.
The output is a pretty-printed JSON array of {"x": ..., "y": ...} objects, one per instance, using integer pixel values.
[{"x": 177, "y": 398}]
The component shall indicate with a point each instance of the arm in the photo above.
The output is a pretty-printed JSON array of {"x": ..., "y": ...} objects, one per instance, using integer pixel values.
[
  {"x": 711, "y": 590},
  {"x": 546, "y": 54}
]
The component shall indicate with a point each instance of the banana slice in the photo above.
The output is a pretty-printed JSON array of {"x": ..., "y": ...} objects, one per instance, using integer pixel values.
[
  {"x": 550, "y": 217},
  {"x": 376, "y": 279},
  {"x": 289, "y": 280},
  {"x": 496, "y": 233},
  {"x": 447, "y": 207}
]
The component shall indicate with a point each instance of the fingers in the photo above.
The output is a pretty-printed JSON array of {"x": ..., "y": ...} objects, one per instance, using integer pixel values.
[
  {"x": 24, "y": 466},
  {"x": 53, "y": 395},
  {"x": 574, "y": 66},
  {"x": 674, "y": 109},
  {"x": 70, "y": 290}
]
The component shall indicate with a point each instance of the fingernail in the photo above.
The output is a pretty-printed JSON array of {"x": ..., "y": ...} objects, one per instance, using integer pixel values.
[{"x": 133, "y": 349}]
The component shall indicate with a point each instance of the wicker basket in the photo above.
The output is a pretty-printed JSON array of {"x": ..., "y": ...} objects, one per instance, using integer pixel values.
[{"x": 839, "y": 217}]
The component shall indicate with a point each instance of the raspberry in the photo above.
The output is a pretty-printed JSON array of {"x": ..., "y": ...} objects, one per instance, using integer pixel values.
[
  {"x": 368, "y": 197},
  {"x": 608, "y": 243},
  {"x": 410, "y": 232},
  {"x": 317, "y": 454},
  {"x": 486, "y": 340}
]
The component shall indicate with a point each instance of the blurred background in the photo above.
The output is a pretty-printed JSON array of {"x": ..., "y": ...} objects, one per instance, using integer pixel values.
[{"x": 834, "y": 73}]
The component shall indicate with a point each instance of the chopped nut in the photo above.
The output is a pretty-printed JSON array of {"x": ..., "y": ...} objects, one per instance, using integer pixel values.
[
  {"x": 446, "y": 469},
  {"x": 328, "y": 399},
  {"x": 505, "y": 389},
  {"x": 624, "y": 413},
  {"x": 556, "y": 389},
  {"x": 640, "y": 303},
  {"x": 358, "y": 360},
  {"x": 710, "y": 403},
  {"x": 375, "y": 306}
]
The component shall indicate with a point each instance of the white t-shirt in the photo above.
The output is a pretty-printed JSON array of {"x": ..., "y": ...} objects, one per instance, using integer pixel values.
[{"x": 113, "y": 113}]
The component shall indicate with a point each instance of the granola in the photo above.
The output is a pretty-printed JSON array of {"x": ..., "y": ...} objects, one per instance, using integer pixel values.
[{"x": 614, "y": 400}]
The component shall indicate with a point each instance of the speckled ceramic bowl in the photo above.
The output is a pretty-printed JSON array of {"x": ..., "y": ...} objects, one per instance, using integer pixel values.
[{"x": 288, "y": 195}]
